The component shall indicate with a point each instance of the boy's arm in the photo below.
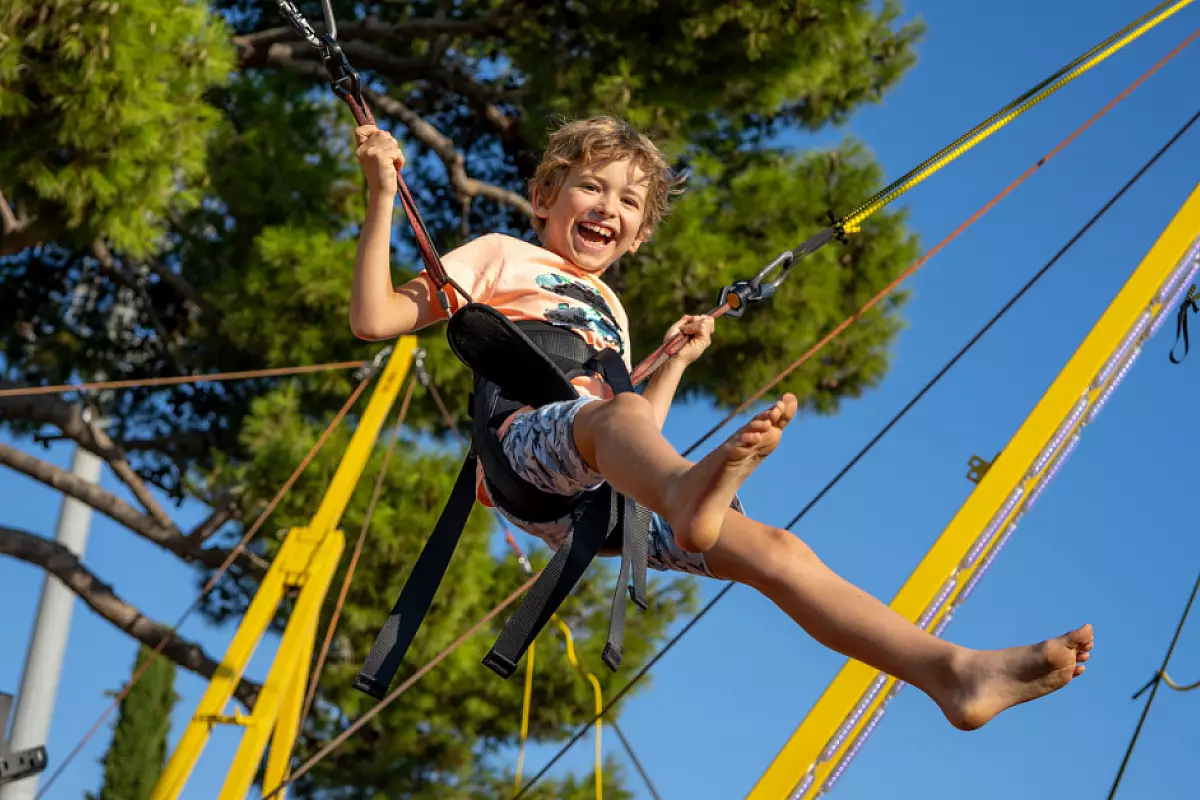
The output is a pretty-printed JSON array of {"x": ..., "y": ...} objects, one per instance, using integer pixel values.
[
  {"x": 660, "y": 389},
  {"x": 378, "y": 310}
]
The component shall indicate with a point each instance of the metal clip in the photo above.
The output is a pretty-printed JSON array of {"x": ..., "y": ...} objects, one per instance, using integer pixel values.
[
  {"x": 762, "y": 286},
  {"x": 418, "y": 366},
  {"x": 764, "y": 289},
  {"x": 293, "y": 15},
  {"x": 740, "y": 294},
  {"x": 367, "y": 370}
]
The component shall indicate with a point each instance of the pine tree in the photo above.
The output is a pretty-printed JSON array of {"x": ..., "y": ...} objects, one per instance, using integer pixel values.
[{"x": 138, "y": 749}]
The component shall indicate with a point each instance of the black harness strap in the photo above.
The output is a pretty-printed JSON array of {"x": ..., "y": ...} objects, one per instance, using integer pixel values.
[
  {"x": 598, "y": 518},
  {"x": 516, "y": 365},
  {"x": 397, "y": 634},
  {"x": 594, "y": 519},
  {"x": 1192, "y": 302}
]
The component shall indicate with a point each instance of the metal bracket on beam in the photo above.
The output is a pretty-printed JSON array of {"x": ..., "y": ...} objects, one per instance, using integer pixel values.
[
  {"x": 23, "y": 764},
  {"x": 978, "y": 467}
]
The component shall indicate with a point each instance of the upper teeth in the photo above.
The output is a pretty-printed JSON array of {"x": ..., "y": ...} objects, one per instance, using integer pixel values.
[{"x": 605, "y": 232}]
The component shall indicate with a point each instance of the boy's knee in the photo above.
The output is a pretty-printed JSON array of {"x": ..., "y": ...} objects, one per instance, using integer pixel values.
[
  {"x": 625, "y": 404},
  {"x": 783, "y": 552}
]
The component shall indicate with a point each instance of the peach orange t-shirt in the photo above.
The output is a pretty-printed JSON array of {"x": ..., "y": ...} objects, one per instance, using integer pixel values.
[{"x": 526, "y": 282}]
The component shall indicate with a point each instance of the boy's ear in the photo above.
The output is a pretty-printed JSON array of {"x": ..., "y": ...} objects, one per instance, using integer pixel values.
[
  {"x": 535, "y": 199},
  {"x": 638, "y": 241}
]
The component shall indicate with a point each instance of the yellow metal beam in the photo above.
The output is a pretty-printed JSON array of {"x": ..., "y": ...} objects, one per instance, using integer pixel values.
[
  {"x": 306, "y": 561},
  {"x": 837, "y": 726},
  {"x": 281, "y": 689}
]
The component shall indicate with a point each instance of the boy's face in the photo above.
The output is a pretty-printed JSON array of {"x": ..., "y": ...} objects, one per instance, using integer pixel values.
[{"x": 597, "y": 216}]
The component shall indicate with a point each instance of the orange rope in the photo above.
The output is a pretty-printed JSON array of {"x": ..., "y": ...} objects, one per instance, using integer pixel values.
[
  {"x": 26, "y": 391},
  {"x": 816, "y": 348}
]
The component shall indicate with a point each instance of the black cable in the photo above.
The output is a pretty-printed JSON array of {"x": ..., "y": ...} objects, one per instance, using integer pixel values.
[
  {"x": 974, "y": 339},
  {"x": 636, "y": 762},
  {"x": 1153, "y": 691}
]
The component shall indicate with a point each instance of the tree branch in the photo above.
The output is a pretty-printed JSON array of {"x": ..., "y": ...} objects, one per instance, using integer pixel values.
[
  {"x": 69, "y": 418},
  {"x": 298, "y": 56},
  {"x": 181, "y": 287},
  {"x": 60, "y": 562},
  {"x": 464, "y": 185},
  {"x": 16, "y": 229},
  {"x": 213, "y": 523},
  {"x": 372, "y": 30},
  {"x": 121, "y": 512}
]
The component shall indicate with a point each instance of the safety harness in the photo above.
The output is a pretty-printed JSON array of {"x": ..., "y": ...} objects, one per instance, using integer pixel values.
[{"x": 517, "y": 365}]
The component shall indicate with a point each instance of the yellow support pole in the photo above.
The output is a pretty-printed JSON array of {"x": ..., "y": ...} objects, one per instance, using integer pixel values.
[
  {"x": 306, "y": 561},
  {"x": 287, "y": 728},
  {"x": 281, "y": 679},
  {"x": 852, "y": 706}
]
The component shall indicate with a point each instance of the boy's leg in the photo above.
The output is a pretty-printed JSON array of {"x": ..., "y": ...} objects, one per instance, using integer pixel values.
[
  {"x": 621, "y": 440},
  {"x": 970, "y": 686}
]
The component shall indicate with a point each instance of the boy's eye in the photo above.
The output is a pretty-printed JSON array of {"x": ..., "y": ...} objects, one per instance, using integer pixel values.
[{"x": 631, "y": 202}]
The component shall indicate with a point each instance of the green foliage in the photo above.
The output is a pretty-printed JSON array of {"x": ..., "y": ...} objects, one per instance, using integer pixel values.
[
  {"x": 138, "y": 750},
  {"x": 691, "y": 67},
  {"x": 103, "y": 101},
  {"x": 192, "y": 140}
]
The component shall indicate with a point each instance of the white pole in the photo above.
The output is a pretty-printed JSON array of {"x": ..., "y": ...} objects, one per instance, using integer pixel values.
[{"x": 43, "y": 663}]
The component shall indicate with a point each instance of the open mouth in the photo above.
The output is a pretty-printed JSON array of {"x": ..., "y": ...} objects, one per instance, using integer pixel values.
[{"x": 596, "y": 237}]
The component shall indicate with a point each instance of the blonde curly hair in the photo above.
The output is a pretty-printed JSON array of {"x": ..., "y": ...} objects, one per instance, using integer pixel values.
[{"x": 598, "y": 140}]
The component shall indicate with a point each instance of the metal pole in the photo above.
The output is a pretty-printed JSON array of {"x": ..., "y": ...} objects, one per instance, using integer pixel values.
[{"x": 43, "y": 662}]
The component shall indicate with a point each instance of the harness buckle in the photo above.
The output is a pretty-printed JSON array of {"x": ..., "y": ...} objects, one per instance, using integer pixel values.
[{"x": 762, "y": 286}]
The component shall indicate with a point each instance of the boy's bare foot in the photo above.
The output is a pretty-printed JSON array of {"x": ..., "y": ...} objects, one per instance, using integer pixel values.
[
  {"x": 698, "y": 502},
  {"x": 990, "y": 681}
]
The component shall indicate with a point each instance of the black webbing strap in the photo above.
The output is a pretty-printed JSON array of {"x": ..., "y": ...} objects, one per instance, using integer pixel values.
[
  {"x": 635, "y": 522},
  {"x": 396, "y": 635},
  {"x": 594, "y": 519},
  {"x": 1192, "y": 302}
]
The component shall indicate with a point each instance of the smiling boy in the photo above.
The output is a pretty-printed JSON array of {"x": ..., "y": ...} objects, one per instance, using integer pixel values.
[{"x": 601, "y": 189}]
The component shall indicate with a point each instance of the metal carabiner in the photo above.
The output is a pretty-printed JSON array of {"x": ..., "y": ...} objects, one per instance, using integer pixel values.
[{"x": 764, "y": 289}]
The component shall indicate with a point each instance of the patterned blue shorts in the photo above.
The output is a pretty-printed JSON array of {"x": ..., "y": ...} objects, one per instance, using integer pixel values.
[{"x": 540, "y": 446}]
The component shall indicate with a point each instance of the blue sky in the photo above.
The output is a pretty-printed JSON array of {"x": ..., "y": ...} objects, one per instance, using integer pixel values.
[{"x": 1113, "y": 541}]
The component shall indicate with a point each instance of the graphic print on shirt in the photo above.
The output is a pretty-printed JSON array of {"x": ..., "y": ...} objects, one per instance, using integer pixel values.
[{"x": 598, "y": 317}]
